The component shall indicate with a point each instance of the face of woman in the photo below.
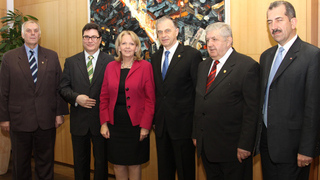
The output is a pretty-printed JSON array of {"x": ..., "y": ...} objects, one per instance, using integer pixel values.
[{"x": 127, "y": 46}]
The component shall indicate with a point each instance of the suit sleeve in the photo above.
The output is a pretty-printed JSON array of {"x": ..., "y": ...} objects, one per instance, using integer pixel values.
[
  {"x": 104, "y": 99},
  {"x": 4, "y": 90},
  {"x": 194, "y": 66},
  {"x": 251, "y": 96},
  {"x": 65, "y": 89},
  {"x": 149, "y": 90},
  {"x": 310, "y": 126}
]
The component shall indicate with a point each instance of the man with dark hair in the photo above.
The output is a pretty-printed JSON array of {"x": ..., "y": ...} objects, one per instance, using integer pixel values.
[
  {"x": 289, "y": 121},
  {"x": 80, "y": 86},
  {"x": 30, "y": 105},
  {"x": 175, "y": 69}
]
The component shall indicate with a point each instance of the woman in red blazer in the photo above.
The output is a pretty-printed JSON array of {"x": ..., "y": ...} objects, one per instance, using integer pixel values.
[{"x": 127, "y": 104}]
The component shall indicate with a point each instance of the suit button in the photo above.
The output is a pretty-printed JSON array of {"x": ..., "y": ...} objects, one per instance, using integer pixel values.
[
  {"x": 201, "y": 129},
  {"x": 127, "y": 89},
  {"x": 128, "y": 107},
  {"x": 164, "y": 97},
  {"x": 203, "y": 114},
  {"x": 128, "y": 98},
  {"x": 205, "y": 98}
]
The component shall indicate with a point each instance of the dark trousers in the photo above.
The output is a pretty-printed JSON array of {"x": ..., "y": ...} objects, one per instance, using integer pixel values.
[
  {"x": 227, "y": 170},
  {"x": 41, "y": 144},
  {"x": 175, "y": 155},
  {"x": 82, "y": 155},
  {"x": 279, "y": 171}
]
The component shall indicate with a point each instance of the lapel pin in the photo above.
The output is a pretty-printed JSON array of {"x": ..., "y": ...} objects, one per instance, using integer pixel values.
[
  {"x": 290, "y": 58},
  {"x": 224, "y": 71},
  {"x": 42, "y": 62},
  {"x": 179, "y": 56}
]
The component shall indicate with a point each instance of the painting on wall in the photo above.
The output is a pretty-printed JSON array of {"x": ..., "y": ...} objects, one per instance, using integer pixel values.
[{"x": 140, "y": 16}]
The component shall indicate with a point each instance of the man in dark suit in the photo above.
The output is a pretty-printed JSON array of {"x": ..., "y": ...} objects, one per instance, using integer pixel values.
[
  {"x": 290, "y": 89},
  {"x": 80, "y": 86},
  {"x": 30, "y": 104},
  {"x": 226, "y": 108},
  {"x": 175, "y": 70}
]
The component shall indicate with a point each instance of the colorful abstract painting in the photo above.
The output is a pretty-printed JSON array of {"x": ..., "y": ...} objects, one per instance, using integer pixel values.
[{"x": 140, "y": 16}]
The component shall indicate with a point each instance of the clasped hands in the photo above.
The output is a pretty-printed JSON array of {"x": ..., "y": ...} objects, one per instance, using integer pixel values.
[{"x": 106, "y": 133}]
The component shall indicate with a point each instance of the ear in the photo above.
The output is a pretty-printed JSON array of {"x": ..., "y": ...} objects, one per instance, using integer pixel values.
[
  {"x": 177, "y": 32},
  {"x": 293, "y": 22},
  {"x": 229, "y": 41}
]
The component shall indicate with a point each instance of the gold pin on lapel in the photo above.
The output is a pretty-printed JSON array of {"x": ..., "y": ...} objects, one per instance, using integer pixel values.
[
  {"x": 42, "y": 62},
  {"x": 179, "y": 55},
  {"x": 224, "y": 71},
  {"x": 290, "y": 58}
]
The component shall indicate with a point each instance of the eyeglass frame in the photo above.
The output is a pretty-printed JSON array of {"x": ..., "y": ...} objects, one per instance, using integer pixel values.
[{"x": 93, "y": 38}]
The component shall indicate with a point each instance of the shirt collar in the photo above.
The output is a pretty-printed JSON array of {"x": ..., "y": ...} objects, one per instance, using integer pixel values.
[
  {"x": 288, "y": 45},
  {"x": 95, "y": 55},
  {"x": 172, "y": 49}
]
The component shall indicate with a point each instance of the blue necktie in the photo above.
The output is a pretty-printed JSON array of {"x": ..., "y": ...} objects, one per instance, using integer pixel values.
[
  {"x": 273, "y": 71},
  {"x": 165, "y": 64},
  {"x": 33, "y": 66}
]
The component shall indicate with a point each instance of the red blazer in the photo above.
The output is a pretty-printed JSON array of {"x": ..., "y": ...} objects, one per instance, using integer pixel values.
[{"x": 140, "y": 93}]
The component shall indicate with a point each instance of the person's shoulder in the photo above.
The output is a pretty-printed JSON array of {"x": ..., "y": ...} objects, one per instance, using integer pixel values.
[
  {"x": 308, "y": 48},
  {"x": 13, "y": 51}
]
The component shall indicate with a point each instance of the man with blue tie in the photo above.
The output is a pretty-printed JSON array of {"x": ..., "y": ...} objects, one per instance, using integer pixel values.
[
  {"x": 290, "y": 87},
  {"x": 175, "y": 69},
  {"x": 30, "y": 105}
]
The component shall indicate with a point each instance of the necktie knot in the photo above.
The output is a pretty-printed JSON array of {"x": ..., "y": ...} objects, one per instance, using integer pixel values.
[
  {"x": 167, "y": 53},
  {"x": 216, "y": 62},
  {"x": 90, "y": 58}
]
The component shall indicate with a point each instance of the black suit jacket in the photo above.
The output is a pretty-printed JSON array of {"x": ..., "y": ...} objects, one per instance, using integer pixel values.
[
  {"x": 225, "y": 117},
  {"x": 293, "y": 110},
  {"x": 75, "y": 81},
  {"x": 175, "y": 94},
  {"x": 28, "y": 106}
]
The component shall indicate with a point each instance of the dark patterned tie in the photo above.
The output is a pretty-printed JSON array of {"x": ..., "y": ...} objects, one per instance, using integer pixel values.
[
  {"x": 33, "y": 66},
  {"x": 212, "y": 75}
]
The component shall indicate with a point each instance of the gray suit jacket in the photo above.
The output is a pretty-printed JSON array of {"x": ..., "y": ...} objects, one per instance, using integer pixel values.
[
  {"x": 293, "y": 110},
  {"x": 75, "y": 81}
]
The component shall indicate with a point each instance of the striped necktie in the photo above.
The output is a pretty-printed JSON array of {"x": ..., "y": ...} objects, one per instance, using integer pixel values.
[
  {"x": 33, "y": 66},
  {"x": 90, "y": 68},
  {"x": 212, "y": 75}
]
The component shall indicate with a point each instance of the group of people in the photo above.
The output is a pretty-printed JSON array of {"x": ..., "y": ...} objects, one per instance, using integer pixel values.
[{"x": 228, "y": 106}]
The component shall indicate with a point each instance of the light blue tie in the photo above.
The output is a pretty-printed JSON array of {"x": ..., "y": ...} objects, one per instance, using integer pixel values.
[
  {"x": 165, "y": 64},
  {"x": 273, "y": 71}
]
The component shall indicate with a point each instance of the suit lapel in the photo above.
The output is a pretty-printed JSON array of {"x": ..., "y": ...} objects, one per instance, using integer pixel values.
[
  {"x": 99, "y": 66},
  {"x": 81, "y": 62},
  {"x": 136, "y": 65},
  {"x": 25, "y": 67},
  {"x": 289, "y": 58},
  {"x": 42, "y": 66},
  {"x": 203, "y": 76},
  {"x": 178, "y": 55},
  {"x": 224, "y": 71},
  {"x": 268, "y": 64},
  {"x": 157, "y": 68}
]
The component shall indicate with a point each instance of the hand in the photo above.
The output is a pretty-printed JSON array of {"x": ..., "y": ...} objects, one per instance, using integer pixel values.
[
  {"x": 85, "y": 101},
  {"x": 242, "y": 154},
  {"x": 59, "y": 121},
  {"x": 5, "y": 126},
  {"x": 104, "y": 130},
  {"x": 143, "y": 133},
  {"x": 194, "y": 142},
  {"x": 303, "y": 160}
]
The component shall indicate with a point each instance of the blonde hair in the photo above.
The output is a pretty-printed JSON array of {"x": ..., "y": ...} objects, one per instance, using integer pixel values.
[{"x": 135, "y": 38}]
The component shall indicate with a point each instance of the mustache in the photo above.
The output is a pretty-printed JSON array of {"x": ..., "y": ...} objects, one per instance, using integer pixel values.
[{"x": 276, "y": 30}]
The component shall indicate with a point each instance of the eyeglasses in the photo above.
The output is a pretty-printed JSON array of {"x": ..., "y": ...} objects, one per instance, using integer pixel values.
[{"x": 93, "y": 38}]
